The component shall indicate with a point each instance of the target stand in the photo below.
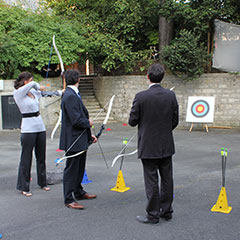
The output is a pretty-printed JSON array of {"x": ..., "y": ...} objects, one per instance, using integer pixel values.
[
  {"x": 200, "y": 110},
  {"x": 203, "y": 126}
]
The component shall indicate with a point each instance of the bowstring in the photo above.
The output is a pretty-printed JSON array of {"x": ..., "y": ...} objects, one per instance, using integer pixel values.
[{"x": 84, "y": 130}]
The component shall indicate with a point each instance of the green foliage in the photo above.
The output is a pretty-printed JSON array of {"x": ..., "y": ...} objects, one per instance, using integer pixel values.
[
  {"x": 195, "y": 16},
  {"x": 8, "y": 57},
  {"x": 26, "y": 39},
  {"x": 116, "y": 30},
  {"x": 198, "y": 15},
  {"x": 184, "y": 57},
  {"x": 120, "y": 31},
  {"x": 113, "y": 33}
]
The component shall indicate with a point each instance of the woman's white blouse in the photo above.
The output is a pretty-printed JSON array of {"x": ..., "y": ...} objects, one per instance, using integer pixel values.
[{"x": 27, "y": 104}]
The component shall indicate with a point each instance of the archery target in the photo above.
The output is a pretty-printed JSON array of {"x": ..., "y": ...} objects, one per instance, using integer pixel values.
[{"x": 200, "y": 109}]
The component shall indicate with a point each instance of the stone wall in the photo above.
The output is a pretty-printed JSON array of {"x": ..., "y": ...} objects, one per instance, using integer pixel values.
[
  {"x": 50, "y": 106},
  {"x": 224, "y": 87}
]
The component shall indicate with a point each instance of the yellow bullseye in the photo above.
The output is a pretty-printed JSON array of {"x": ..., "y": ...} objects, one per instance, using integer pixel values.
[{"x": 200, "y": 108}]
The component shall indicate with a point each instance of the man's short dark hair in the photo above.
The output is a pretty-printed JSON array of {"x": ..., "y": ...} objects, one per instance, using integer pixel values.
[
  {"x": 71, "y": 76},
  {"x": 156, "y": 73}
]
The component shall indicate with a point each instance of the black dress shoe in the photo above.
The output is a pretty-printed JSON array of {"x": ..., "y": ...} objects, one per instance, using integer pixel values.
[
  {"x": 147, "y": 220},
  {"x": 166, "y": 216}
]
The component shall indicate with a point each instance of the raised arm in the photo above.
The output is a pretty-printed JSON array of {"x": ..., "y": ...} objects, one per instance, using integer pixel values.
[
  {"x": 24, "y": 90},
  {"x": 27, "y": 87}
]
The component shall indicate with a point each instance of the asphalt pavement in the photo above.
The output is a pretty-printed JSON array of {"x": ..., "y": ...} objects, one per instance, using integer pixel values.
[{"x": 112, "y": 216}]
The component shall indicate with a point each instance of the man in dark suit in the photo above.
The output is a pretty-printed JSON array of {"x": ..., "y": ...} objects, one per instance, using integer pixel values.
[
  {"x": 75, "y": 137},
  {"x": 155, "y": 111}
]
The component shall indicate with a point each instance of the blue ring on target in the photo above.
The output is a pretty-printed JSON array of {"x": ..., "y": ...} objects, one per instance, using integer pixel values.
[{"x": 204, "y": 108}]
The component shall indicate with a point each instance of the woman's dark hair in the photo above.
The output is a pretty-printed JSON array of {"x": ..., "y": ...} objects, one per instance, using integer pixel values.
[
  {"x": 156, "y": 73},
  {"x": 19, "y": 82},
  {"x": 71, "y": 76}
]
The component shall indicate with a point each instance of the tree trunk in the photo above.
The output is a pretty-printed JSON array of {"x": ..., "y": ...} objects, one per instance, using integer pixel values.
[{"x": 165, "y": 32}]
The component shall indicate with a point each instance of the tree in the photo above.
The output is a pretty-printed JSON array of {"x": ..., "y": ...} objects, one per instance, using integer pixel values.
[
  {"x": 197, "y": 17},
  {"x": 120, "y": 33},
  {"x": 165, "y": 29},
  {"x": 184, "y": 57},
  {"x": 26, "y": 39}
]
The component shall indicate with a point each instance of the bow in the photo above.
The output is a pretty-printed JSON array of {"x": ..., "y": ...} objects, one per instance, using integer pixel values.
[
  {"x": 131, "y": 153},
  {"x": 106, "y": 118},
  {"x": 59, "y": 160},
  {"x": 60, "y": 58},
  {"x": 123, "y": 149},
  {"x": 103, "y": 127},
  {"x": 122, "y": 155},
  {"x": 64, "y": 86}
]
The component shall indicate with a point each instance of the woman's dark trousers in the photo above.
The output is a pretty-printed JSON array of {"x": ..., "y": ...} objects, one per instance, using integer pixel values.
[{"x": 30, "y": 141}]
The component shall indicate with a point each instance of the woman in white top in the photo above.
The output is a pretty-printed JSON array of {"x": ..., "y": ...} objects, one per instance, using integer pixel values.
[{"x": 33, "y": 132}]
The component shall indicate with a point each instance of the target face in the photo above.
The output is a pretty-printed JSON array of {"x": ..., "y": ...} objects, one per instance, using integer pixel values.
[{"x": 200, "y": 109}]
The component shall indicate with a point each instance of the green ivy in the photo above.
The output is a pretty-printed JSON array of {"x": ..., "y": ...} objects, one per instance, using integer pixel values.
[
  {"x": 113, "y": 33},
  {"x": 184, "y": 57},
  {"x": 193, "y": 22},
  {"x": 26, "y": 40},
  {"x": 117, "y": 31}
]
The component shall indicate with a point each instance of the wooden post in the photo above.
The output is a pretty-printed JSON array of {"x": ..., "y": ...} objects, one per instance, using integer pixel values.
[{"x": 191, "y": 128}]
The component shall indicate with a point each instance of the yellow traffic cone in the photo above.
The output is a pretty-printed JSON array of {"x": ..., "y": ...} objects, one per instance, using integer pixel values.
[
  {"x": 222, "y": 203},
  {"x": 120, "y": 184}
]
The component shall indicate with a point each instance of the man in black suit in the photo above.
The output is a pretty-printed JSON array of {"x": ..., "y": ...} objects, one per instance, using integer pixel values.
[
  {"x": 75, "y": 137},
  {"x": 155, "y": 111}
]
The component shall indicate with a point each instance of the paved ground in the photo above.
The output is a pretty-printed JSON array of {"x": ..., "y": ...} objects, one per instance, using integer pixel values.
[{"x": 197, "y": 175}]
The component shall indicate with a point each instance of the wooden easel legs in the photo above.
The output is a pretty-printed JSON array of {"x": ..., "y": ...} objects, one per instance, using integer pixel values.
[
  {"x": 203, "y": 125},
  {"x": 191, "y": 128}
]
